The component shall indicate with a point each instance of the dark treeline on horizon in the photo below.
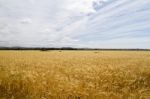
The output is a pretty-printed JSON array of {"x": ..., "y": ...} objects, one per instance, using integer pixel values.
[{"x": 67, "y": 48}]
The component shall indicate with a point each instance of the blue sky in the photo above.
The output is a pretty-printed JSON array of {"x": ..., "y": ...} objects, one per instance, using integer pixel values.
[{"x": 75, "y": 23}]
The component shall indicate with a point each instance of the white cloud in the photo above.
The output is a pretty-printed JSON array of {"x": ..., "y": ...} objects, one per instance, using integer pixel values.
[
  {"x": 81, "y": 6},
  {"x": 26, "y": 21},
  {"x": 74, "y": 23}
]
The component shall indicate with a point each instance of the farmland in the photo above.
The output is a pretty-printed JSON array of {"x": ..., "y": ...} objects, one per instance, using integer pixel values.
[{"x": 74, "y": 74}]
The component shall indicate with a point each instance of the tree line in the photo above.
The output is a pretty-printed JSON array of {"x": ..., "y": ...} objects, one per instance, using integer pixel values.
[{"x": 68, "y": 48}]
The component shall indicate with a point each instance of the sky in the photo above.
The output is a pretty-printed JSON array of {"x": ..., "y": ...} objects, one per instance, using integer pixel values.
[{"x": 75, "y": 23}]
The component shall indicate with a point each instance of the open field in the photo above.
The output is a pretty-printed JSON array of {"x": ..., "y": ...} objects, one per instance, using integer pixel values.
[{"x": 74, "y": 75}]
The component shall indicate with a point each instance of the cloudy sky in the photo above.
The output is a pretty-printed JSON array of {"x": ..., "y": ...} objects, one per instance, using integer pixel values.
[{"x": 75, "y": 23}]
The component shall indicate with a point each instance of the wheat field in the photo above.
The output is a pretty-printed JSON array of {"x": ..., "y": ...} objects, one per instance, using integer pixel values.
[{"x": 74, "y": 75}]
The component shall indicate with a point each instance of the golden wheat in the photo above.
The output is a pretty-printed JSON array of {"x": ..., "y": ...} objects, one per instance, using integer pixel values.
[{"x": 74, "y": 75}]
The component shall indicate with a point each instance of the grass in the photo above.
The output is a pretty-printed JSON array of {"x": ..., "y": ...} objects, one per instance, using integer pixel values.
[{"x": 74, "y": 75}]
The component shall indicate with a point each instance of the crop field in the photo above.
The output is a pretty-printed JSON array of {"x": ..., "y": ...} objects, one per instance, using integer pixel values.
[{"x": 74, "y": 74}]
